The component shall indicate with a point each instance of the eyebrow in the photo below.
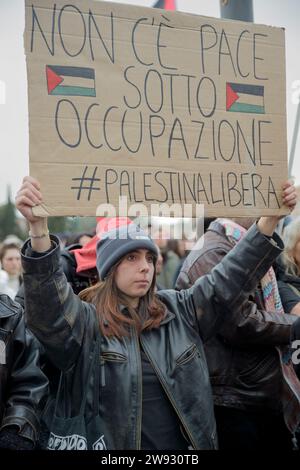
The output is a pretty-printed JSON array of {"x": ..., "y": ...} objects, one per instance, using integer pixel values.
[{"x": 148, "y": 252}]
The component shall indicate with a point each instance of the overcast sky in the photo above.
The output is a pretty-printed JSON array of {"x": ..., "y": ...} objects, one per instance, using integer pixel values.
[{"x": 13, "y": 100}]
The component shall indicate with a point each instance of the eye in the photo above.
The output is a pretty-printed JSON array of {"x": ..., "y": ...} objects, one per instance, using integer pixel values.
[
  {"x": 131, "y": 257},
  {"x": 150, "y": 259}
]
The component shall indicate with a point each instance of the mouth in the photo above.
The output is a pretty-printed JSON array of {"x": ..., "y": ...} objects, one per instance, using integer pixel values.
[{"x": 142, "y": 283}]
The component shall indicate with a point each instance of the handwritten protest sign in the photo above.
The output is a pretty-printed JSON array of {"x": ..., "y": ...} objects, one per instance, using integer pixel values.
[{"x": 156, "y": 106}]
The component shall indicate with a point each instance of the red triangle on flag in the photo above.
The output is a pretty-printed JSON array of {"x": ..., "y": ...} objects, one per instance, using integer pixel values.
[
  {"x": 52, "y": 79},
  {"x": 231, "y": 96},
  {"x": 170, "y": 5}
]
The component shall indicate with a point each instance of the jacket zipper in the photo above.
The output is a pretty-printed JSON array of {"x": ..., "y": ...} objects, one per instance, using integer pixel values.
[
  {"x": 140, "y": 404},
  {"x": 115, "y": 357},
  {"x": 188, "y": 355},
  {"x": 102, "y": 370},
  {"x": 170, "y": 397}
]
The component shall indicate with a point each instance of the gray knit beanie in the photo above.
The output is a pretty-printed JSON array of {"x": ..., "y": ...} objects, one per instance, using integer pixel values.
[{"x": 117, "y": 243}]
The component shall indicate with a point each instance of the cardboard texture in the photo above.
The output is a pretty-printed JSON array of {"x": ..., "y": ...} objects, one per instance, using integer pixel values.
[{"x": 157, "y": 106}]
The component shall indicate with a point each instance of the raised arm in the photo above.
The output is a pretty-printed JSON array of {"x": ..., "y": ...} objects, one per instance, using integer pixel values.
[
  {"x": 57, "y": 317},
  {"x": 221, "y": 295},
  {"x": 27, "y": 197}
]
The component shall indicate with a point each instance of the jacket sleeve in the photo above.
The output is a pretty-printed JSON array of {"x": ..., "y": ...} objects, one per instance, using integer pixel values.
[
  {"x": 27, "y": 386},
  {"x": 220, "y": 300},
  {"x": 56, "y": 316}
]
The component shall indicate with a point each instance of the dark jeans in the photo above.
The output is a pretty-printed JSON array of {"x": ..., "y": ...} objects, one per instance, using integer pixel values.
[{"x": 238, "y": 429}]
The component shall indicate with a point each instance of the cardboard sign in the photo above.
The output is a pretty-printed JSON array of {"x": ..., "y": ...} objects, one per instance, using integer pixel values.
[{"x": 158, "y": 107}]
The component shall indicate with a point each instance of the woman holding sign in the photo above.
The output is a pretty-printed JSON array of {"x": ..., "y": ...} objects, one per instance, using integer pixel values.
[{"x": 134, "y": 374}]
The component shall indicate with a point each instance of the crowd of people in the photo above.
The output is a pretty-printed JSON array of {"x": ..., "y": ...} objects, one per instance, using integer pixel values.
[{"x": 120, "y": 341}]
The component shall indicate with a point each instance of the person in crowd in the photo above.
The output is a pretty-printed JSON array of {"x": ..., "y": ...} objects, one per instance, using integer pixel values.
[
  {"x": 10, "y": 259},
  {"x": 81, "y": 239},
  {"x": 288, "y": 269},
  {"x": 13, "y": 239},
  {"x": 79, "y": 266},
  {"x": 158, "y": 267},
  {"x": 79, "y": 262},
  {"x": 181, "y": 248},
  {"x": 171, "y": 260},
  {"x": 23, "y": 386},
  {"x": 4, "y": 284},
  {"x": 255, "y": 389},
  {"x": 288, "y": 275},
  {"x": 153, "y": 391}
]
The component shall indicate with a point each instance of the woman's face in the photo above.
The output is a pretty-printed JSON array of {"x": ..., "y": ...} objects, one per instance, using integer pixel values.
[
  {"x": 11, "y": 262},
  {"x": 296, "y": 253},
  {"x": 134, "y": 275}
]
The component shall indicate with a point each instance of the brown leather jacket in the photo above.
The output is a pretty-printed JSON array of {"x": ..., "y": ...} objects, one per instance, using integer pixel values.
[{"x": 247, "y": 362}]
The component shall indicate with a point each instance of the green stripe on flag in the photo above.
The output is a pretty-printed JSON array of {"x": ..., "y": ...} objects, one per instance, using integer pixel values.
[
  {"x": 73, "y": 91},
  {"x": 246, "y": 108}
]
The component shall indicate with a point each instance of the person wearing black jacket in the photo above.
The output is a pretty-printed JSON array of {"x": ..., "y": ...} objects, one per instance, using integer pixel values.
[
  {"x": 78, "y": 281},
  {"x": 23, "y": 386},
  {"x": 126, "y": 341}
]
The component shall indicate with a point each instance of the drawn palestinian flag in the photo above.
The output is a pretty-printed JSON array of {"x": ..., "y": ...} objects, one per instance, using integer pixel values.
[
  {"x": 70, "y": 81},
  {"x": 165, "y": 4},
  {"x": 242, "y": 98}
]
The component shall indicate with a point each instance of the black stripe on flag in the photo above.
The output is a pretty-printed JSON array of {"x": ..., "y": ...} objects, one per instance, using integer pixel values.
[
  {"x": 257, "y": 90},
  {"x": 82, "y": 72}
]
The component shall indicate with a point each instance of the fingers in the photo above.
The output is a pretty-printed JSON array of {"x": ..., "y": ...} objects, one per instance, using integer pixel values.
[
  {"x": 291, "y": 204},
  {"x": 30, "y": 190},
  {"x": 289, "y": 194},
  {"x": 289, "y": 188},
  {"x": 33, "y": 181},
  {"x": 27, "y": 197},
  {"x": 30, "y": 196},
  {"x": 23, "y": 200},
  {"x": 287, "y": 184},
  {"x": 290, "y": 201}
]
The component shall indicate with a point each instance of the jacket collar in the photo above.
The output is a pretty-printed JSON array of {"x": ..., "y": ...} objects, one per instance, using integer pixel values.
[
  {"x": 8, "y": 307},
  {"x": 169, "y": 315}
]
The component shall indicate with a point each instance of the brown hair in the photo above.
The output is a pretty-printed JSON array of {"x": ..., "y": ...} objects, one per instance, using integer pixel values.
[{"x": 107, "y": 299}]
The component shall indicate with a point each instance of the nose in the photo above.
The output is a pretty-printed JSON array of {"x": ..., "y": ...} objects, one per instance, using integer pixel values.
[{"x": 144, "y": 266}]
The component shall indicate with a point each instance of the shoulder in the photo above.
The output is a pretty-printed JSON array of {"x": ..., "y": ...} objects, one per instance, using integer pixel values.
[
  {"x": 172, "y": 299},
  {"x": 208, "y": 251},
  {"x": 8, "y": 307}
]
